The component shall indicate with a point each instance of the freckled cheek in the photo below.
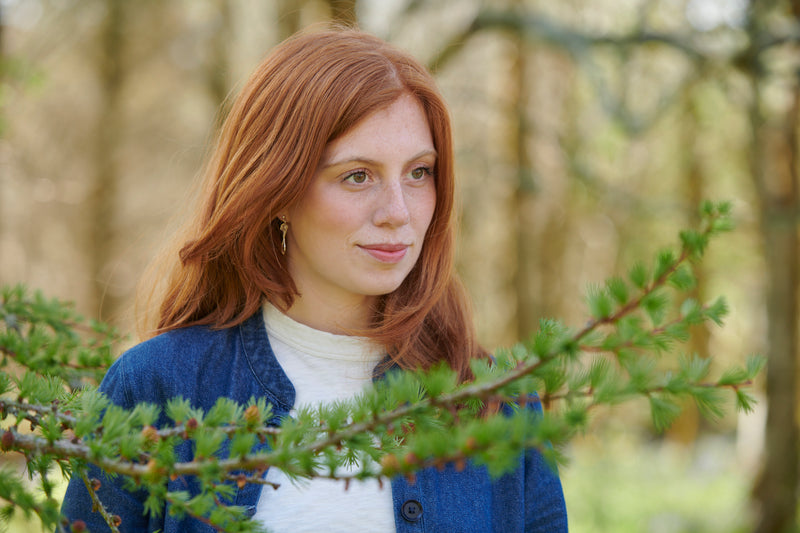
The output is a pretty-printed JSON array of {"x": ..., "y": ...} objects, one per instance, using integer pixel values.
[
  {"x": 340, "y": 223},
  {"x": 423, "y": 213}
]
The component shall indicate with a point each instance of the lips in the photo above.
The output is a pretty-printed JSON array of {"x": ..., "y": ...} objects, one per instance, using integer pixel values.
[{"x": 386, "y": 253}]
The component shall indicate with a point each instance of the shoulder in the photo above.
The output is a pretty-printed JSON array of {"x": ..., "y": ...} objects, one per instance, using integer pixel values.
[
  {"x": 182, "y": 345},
  {"x": 168, "y": 365},
  {"x": 201, "y": 364}
]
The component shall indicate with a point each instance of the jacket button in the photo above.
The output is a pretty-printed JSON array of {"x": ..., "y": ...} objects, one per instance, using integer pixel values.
[{"x": 412, "y": 510}]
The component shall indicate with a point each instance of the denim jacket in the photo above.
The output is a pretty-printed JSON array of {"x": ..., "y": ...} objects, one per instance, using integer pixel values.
[{"x": 201, "y": 365}]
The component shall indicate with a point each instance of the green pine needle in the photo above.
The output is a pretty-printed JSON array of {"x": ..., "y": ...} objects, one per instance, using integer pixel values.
[
  {"x": 639, "y": 275},
  {"x": 663, "y": 411}
]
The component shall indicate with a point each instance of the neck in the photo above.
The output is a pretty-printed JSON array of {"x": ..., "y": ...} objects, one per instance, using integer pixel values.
[{"x": 333, "y": 317}]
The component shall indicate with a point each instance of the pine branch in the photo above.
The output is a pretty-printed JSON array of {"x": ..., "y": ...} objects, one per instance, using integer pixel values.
[
  {"x": 411, "y": 420},
  {"x": 92, "y": 486}
]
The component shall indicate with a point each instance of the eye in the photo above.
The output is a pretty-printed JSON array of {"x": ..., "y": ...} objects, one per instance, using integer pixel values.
[
  {"x": 421, "y": 172},
  {"x": 357, "y": 177}
]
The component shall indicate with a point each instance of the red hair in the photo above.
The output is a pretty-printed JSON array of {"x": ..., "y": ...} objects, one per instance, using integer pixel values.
[{"x": 310, "y": 90}]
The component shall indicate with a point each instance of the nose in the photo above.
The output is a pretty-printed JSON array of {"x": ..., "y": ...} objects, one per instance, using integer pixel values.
[{"x": 392, "y": 209}]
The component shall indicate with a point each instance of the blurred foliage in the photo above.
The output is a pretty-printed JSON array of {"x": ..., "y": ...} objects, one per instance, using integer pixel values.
[
  {"x": 586, "y": 131},
  {"x": 621, "y": 481},
  {"x": 409, "y": 421}
]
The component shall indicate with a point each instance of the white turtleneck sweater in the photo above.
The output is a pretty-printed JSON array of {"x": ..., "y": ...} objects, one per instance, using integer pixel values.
[{"x": 323, "y": 367}]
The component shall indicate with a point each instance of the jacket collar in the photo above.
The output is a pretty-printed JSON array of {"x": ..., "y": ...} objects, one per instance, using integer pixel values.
[{"x": 269, "y": 374}]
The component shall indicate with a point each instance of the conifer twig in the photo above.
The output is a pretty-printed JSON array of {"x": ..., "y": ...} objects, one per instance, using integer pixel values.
[{"x": 113, "y": 521}]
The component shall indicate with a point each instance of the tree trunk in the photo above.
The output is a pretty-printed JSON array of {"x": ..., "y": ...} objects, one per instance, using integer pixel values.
[
  {"x": 687, "y": 426},
  {"x": 542, "y": 189},
  {"x": 2, "y": 108},
  {"x": 521, "y": 279},
  {"x": 289, "y": 17},
  {"x": 218, "y": 66},
  {"x": 101, "y": 202},
  {"x": 343, "y": 11},
  {"x": 774, "y": 168}
]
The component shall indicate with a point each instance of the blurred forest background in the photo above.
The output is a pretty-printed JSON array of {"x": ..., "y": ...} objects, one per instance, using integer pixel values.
[{"x": 587, "y": 132}]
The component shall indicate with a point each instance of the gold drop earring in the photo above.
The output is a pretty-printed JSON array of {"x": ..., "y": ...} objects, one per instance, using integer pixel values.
[{"x": 284, "y": 229}]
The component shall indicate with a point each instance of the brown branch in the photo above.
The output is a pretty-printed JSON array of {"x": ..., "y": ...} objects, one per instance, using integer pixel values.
[
  {"x": 654, "y": 332},
  {"x": 97, "y": 505},
  {"x": 636, "y": 302},
  {"x": 589, "y": 392},
  {"x": 539, "y": 28},
  {"x": 259, "y": 462}
]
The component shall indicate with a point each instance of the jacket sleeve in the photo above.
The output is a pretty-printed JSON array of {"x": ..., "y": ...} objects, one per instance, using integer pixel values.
[
  {"x": 545, "y": 508},
  {"x": 129, "y": 506}
]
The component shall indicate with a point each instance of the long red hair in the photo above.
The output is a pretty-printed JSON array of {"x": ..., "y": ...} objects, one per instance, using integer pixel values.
[{"x": 310, "y": 90}]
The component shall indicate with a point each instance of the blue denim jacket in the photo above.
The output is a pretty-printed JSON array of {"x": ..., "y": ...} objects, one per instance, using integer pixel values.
[{"x": 201, "y": 365}]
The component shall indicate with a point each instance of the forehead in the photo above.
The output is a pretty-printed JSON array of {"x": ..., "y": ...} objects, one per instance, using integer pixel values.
[{"x": 402, "y": 126}]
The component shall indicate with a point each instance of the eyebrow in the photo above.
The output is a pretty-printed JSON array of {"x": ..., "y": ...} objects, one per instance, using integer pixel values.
[{"x": 368, "y": 161}]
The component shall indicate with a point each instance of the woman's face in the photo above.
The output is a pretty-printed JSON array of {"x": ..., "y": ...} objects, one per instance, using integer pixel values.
[{"x": 360, "y": 228}]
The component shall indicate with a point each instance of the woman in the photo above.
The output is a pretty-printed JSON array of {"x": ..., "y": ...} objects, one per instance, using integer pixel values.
[{"x": 322, "y": 255}]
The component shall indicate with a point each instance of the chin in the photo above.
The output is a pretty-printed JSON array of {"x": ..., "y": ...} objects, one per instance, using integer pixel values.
[{"x": 381, "y": 289}]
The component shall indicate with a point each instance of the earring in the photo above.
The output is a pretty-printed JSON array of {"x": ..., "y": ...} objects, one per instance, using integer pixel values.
[{"x": 284, "y": 229}]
